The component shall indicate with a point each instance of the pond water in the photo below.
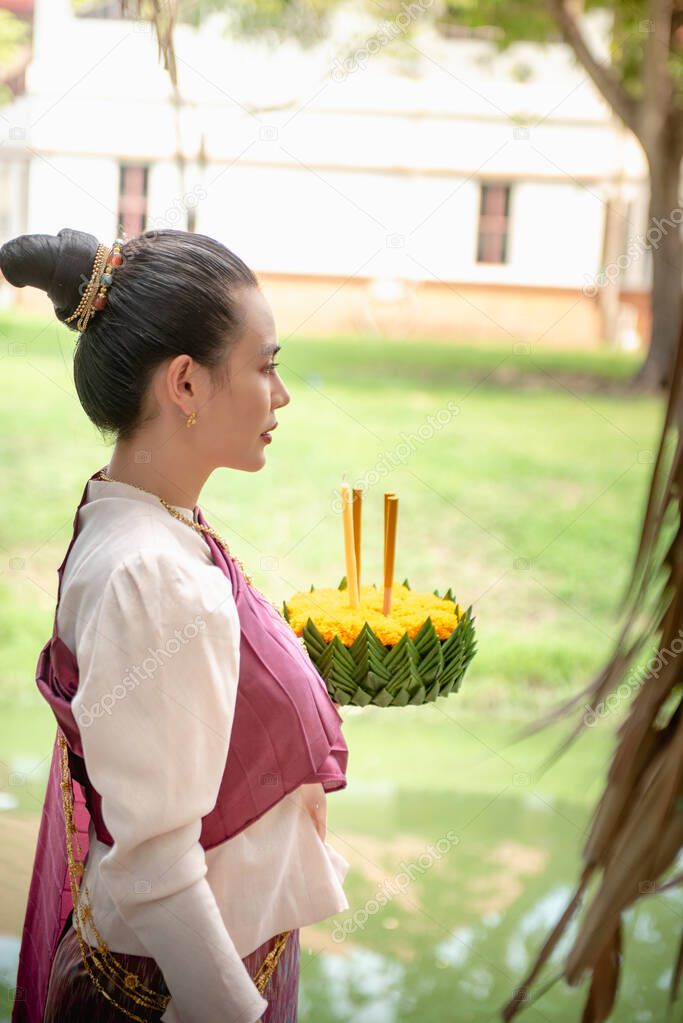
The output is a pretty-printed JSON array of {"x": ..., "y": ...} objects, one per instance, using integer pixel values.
[{"x": 458, "y": 932}]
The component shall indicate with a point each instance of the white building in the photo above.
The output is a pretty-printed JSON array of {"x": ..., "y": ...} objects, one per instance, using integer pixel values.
[{"x": 429, "y": 188}]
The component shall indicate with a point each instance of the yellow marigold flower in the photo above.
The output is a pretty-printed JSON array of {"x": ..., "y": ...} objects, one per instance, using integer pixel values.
[{"x": 329, "y": 609}]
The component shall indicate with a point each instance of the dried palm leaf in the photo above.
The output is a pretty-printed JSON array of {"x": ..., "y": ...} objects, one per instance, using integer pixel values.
[
  {"x": 162, "y": 14},
  {"x": 636, "y": 831}
]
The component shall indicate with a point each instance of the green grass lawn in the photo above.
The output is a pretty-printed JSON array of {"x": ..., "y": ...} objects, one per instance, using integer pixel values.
[{"x": 527, "y": 503}]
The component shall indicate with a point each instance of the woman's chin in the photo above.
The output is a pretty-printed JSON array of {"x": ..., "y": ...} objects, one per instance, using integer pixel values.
[
  {"x": 251, "y": 464},
  {"x": 259, "y": 461}
]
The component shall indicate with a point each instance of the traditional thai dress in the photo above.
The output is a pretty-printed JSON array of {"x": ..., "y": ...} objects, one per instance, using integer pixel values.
[{"x": 192, "y": 715}]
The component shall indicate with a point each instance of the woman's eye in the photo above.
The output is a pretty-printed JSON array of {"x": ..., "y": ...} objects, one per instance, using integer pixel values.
[{"x": 271, "y": 366}]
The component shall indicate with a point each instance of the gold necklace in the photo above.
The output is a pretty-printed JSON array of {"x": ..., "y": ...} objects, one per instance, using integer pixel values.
[
  {"x": 100, "y": 960},
  {"x": 181, "y": 518}
]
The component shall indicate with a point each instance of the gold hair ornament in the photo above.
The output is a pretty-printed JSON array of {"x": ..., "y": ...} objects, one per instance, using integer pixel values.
[{"x": 94, "y": 297}]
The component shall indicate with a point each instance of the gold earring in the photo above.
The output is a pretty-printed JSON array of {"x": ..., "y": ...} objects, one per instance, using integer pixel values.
[{"x": 191, "y": 419}]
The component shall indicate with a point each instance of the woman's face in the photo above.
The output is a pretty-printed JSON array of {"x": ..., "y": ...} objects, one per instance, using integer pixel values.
[{"x": 245, "y": 405}]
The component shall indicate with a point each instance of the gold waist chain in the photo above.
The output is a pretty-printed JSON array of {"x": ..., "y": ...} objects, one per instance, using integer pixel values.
[{"x": 101, "y": 960}]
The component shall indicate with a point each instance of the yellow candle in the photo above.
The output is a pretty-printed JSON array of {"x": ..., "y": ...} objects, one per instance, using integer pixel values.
[
  {"x": 357, "y": 507},
  {"x": 349, "y": 549},
  {"x": 391, "y": 508},
  {"x": 387, "y": 495}
]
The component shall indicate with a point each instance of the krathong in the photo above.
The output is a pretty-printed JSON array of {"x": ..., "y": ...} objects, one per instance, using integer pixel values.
[{"x": 391, "y": 647}]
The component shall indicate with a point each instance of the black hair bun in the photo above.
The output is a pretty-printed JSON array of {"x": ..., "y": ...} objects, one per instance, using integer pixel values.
[{"x": 58, "y": 264}]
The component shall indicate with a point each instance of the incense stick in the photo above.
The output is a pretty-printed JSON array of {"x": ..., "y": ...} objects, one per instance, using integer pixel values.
[
  {"x": 357, "y": 512},
  {"x": 391, "y": 520},
  {"x": 349, "y": 546}
]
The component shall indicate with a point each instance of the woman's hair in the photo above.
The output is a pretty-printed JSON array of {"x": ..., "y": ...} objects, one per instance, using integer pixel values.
[{"x": 174, "y": 294}]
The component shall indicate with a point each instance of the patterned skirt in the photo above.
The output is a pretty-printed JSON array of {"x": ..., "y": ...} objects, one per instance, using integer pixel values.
[{"x": 73, "y": 998}]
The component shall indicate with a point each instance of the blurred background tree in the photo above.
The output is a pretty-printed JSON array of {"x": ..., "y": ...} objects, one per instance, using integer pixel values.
[
  {"x": 638, "y": 68},
  {"x": 14, "y": 38},
  {"x": 637, "y": 65}
]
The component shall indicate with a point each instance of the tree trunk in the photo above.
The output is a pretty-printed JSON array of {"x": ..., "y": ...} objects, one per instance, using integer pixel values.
[
  {"x": 613, "y": 247},
  {"x": 664, "y": 237},
  {"x": 177, "y": 102}
]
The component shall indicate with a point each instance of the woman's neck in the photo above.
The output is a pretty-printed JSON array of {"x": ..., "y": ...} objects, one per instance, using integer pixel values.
[{"x": 162, "y": 475}]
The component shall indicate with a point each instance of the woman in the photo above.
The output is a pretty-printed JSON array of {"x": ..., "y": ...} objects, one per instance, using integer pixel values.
[{"x": 196, "y": 740}]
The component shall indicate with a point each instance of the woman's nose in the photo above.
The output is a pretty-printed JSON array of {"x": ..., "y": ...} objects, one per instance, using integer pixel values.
[{"x": 284, "y": 398}]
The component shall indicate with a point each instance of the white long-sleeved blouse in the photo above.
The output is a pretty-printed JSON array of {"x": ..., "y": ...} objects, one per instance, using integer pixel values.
[{"x": 153, "y": 624}]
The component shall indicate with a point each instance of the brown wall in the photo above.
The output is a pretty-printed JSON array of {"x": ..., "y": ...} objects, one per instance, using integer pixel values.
[
  {"x": 328, "y": 306},
  {"x": 463, "y": 312}
]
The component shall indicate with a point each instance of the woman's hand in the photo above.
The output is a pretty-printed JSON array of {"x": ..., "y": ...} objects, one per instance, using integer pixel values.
[{"x": 314, "y": 800}]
